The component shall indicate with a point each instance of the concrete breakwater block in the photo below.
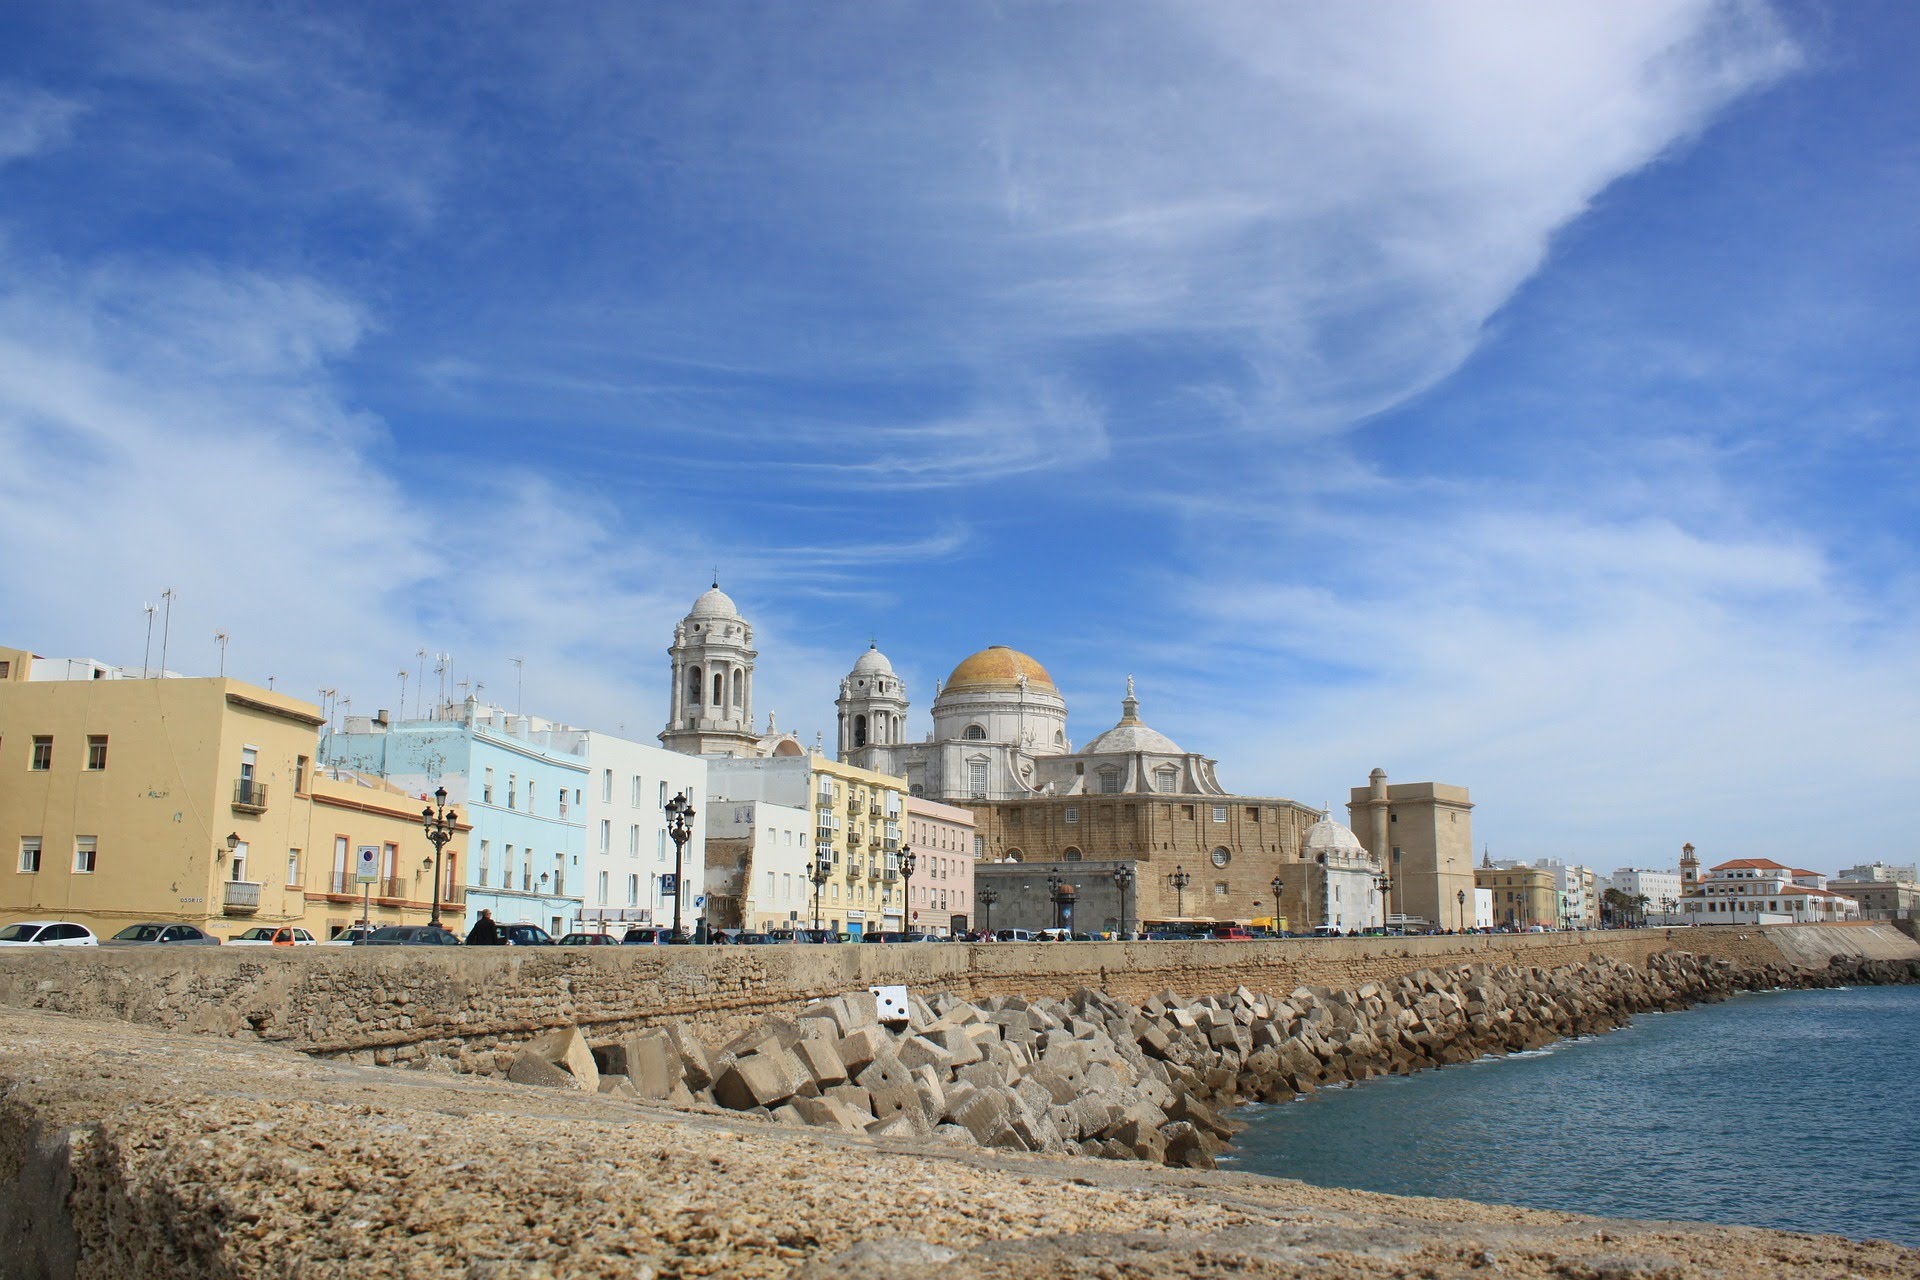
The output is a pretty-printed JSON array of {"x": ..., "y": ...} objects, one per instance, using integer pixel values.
[{"x": 1096, "y": 1076}]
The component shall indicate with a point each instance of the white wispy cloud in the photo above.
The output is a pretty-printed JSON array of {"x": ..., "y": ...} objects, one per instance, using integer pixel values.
[{"x": 33, "y": 120}]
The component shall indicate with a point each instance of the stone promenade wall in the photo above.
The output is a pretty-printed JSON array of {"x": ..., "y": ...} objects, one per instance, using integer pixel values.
[{"x": 403, "y": 1004}]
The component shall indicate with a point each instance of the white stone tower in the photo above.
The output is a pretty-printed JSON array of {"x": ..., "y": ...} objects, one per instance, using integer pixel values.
[
  {"x": 712, "y": 705},
  {"x": 873, "y": 708}
]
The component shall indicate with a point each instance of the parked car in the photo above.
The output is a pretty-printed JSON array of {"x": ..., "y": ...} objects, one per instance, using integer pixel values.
[
  {"x": 524, "y": 935},
  {"x": 410, "y": 935},
  {"x": 157, "y": 932},
  {"x": 1231, "y": 933},
  {"x": 1014, "y": 935},
  {"x": 589, "y": 940},
  {"x": 647, "y": 935},
  {"x": 351, "y": 934},
  {"x": 47, "y": 933},
  {"x": 883, "y": 935},
  {"x": 271, "y": 936},
  {"x": 744, "y": 939}
]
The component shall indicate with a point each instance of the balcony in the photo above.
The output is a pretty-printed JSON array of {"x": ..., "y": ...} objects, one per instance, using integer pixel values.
[
  {"x": 853, "y": 808},
  {"x": 240, "y": 897},
  {"x": 249, "y": 796},
  {"x": 891, "y": 846},
  {"x": 873, "y": 811}
]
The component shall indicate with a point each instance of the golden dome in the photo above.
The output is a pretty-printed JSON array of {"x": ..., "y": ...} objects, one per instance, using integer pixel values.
[{"x": 998, "y": 667}]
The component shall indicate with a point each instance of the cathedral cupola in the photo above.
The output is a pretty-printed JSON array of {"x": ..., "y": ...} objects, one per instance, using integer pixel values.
[{"x": 872, "y": 706}]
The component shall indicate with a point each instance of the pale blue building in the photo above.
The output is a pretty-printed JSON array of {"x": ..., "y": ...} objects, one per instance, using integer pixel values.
[{"x": 518, "y": 779}]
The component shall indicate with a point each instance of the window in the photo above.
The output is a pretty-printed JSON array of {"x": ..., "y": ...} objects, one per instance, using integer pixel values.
[
  {"x": 29, "y": 855},
  {"x": 1219, "y": 813},
  {"x": 96, "y": 751},
  {"x": 6, "y": 669},
  {"x": 486, "y": 861},
  {"x": 606, "y": 836},
  {"x": 486, "y": 788},
  {"x": 342, "y": 869},
  {"x": 603, "y": 888},
  {"x": 1109, "y": 782},
  {"x": 1222, "y": 856},
  {"x": 293, "y": 866},
  {"x": 974, "y": 733},
  {"x": 42, "y": 753},
  {"x": 1219, "y": 888},
  {"x": 606, "y": 786},
  {"x": 660, "y": 846},
  {"x": 633, "y": 801},
  {"x": 513, "y": 789},
  {"x": 979, "y": 846},
  {"x": 977, "y": 779},
  {"x": 633, "y": 840},
  {"x": 1166, "y": 779},
  {"x": 86, "y": 853},
  {"x": 663, "y": 795},
  {"x": 526, "y": 871},
  {"x": 1072, "y": 813},
  {"x": 300, "y": 764},
  {"x": 1072, "y": 854},
  {"x": 633, "y": 891}
]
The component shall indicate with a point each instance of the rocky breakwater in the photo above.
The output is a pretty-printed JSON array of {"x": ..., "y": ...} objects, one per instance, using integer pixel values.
[{"x": 1095, "y": 1076}]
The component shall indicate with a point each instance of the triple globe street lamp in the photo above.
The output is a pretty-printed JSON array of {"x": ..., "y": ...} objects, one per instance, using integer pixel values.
[
  {"x": 439, "y": 822},
  {"x": 1178, "y": 879},
  {"x": 680, "y": 813},
  {"x": 986, "y": 897},
  {"x": 1123, "y": 881}
]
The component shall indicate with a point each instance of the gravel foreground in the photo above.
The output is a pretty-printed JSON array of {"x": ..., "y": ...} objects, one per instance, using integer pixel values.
[{"x": 134, "y": 1152}]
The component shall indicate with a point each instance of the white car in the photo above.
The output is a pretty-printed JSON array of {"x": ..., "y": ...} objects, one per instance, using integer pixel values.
[
  {"x": 47, "y": 933},
  {"x": 274, "y": 936}
]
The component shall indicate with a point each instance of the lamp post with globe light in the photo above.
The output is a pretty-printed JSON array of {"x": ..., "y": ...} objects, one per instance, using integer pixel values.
[
  {"x": 1123, "y": 880},
  {"x": 1278, "y": 886},
  {"x": 1178, "y": 879},
  {"x": 986, "y": 898},
  {"x": 439, "y": 822},
  {"x": 680, "y": 813}
]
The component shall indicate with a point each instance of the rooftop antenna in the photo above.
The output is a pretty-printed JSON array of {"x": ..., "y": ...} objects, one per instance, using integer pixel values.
[
  {"x": 519, "y": 672},
  {"x": 420, "y": 681},
  {"x": 440, "y": 669},
  {"x": 220, "y": 638},
  {"x": 166, "y": 629},
  {"x": 403, "y": 693},
  {"x": 146, "y": 655}
]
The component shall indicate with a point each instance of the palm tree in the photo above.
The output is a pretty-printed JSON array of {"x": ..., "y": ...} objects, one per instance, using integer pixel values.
[{"x": 1640, "y": 904}]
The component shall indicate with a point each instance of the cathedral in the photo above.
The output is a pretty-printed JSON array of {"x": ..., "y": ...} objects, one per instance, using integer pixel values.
[{"x": 1000, "y": 733}]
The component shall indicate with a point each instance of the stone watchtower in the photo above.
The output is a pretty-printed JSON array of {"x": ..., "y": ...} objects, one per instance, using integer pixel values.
[
  {"x": 712, "y": 706},
  {"x": 873, "y": 708},
  {"x": 1421, "y": 833},
  {"x": 1689, "y": 870}
]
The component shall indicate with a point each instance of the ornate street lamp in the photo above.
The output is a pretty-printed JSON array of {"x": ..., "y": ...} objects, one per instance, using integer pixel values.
[
  {"x": 679, "y": 826},
  {"x": 1179, "y": 878},
  {"x": 819, "y": 878},
  {"x": 1383, "y": 882},
  {"x": 1278, "y": 886},
  {"x": 1461, "y": 897},
  {"x": 439, "y": 822},
  {"x": 986, "y": 897},
  {"x": 908, "y": 861},
  {"x": 1123, "y": 880}
]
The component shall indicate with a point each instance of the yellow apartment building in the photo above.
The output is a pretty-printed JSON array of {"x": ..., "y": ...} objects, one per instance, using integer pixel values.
[
  {"x": 124, "y": 800},
  {"x": 1522, "y": 896}
]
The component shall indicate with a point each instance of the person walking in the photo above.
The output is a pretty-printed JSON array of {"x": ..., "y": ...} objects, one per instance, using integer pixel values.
[{"x": 485, "y": 933}]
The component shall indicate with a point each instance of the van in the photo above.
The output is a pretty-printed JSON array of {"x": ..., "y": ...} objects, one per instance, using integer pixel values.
[
  {"x": 1231, "y": 933},
  {"x": 1013, "y": 935}
]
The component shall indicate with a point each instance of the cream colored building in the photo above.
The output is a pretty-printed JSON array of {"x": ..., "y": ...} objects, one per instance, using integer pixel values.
[
  {"x": 126, "y": 799},
  {"x": 856, "y": 831},
  {"x": 1523, "y": 896},
  {"x": 1422, "y": 832}
]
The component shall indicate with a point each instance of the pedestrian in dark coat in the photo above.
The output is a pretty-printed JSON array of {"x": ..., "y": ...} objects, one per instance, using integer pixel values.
[{"x": 485, "y": 933}]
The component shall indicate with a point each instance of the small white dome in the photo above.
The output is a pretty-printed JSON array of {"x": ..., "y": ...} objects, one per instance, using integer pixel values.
[
  {"x": 1328, "y": 836},
  {"x": 1125, "y": 738},
  {"x": 713, "y": 603},
  {"x": 873, "y": 663}
]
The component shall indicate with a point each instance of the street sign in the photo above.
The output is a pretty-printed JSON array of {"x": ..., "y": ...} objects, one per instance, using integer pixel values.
[
  {"x": 366, "y": 867},
  {"x": 699, "y": 899},
  {"x": 669, "y": 885}
]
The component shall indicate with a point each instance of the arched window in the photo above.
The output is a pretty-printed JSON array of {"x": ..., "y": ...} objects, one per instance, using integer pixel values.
[
  {"x": 1222, "y": 856},
  {"x": 975, "y": 733},
  {"x": 1059, "y": 739},
  {"x": 1071, "y": 855},
  {"x": 859, "y": 731},
  {"x": 739, "y": 683},
  {"x": 1014, "y": 855},
  {"x": 719, "y": 688},
  {"x": 693, "y": 684}
]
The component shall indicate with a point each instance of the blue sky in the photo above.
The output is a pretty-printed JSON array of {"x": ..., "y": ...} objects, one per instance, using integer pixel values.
[{"x": 1510, "y": 395}]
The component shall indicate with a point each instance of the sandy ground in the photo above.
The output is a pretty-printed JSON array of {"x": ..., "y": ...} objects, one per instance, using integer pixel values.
[{"x": 195, "y": 1156}]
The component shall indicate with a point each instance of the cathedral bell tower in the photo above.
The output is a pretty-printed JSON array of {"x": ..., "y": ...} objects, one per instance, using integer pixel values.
[
  {"x": 1689, "y": 870},
  {"x": 712, "y": 705},
  {"x": 873, "y": 709}
]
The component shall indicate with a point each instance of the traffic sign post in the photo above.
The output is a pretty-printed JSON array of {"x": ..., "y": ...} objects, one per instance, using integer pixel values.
[{"x": 366, "y": 870}]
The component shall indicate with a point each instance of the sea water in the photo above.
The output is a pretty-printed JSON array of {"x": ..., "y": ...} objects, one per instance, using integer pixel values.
[{"x": 1790, "y": 1109}]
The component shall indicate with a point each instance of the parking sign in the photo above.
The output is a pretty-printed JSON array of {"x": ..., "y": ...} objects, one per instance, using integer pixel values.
[{"x": 366, "y": 868}]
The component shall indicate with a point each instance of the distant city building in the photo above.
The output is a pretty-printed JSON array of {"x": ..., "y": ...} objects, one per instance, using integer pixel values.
[
  {"x": 1880, "y": 899},
  {"x": 1422, "y": 832},
  {"x": 1343, "y": 880},
  {"x": 1761, "y": 891},
  {"x": 942, "y": 837},
  {"x": 629, "y": 856},
  {"x": 1523, "y": 896},
  {"x": 1578, "y": 903},
  {"x": 758, "y": 863},
  {"x": 857, "y": 817},
  {"x": 519, "y": 780},
  {"x": 1883, "y": 871},
  {"x": 1652, "y": 893},
  {"x": 126, "y": 799}
]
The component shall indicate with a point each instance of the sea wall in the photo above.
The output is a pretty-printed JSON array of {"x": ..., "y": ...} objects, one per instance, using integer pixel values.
[{"x": 464, "y": 1007}]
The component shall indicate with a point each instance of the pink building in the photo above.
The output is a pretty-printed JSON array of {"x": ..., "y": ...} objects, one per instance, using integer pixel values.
[{"x": 941, "y": 836}]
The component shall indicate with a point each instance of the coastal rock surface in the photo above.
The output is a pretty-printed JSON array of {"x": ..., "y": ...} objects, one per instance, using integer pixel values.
[{"x": 130, "y": 1151}]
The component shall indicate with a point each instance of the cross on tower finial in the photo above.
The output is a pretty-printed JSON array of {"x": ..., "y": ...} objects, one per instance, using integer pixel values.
[{"x": 716, "y": 577}]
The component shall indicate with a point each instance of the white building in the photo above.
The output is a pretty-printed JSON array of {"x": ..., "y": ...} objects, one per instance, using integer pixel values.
[
  {"x": 1483, "y": 909},
  {"x": 1882, "y": 872},
  {"x": 761, "y": 859},
  {"x": 1348, "y": 899},
  {"x": 1661, "y": 889},
  {"x": 1760, "y": 891},
  {"x": 629, "y": 857}
]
